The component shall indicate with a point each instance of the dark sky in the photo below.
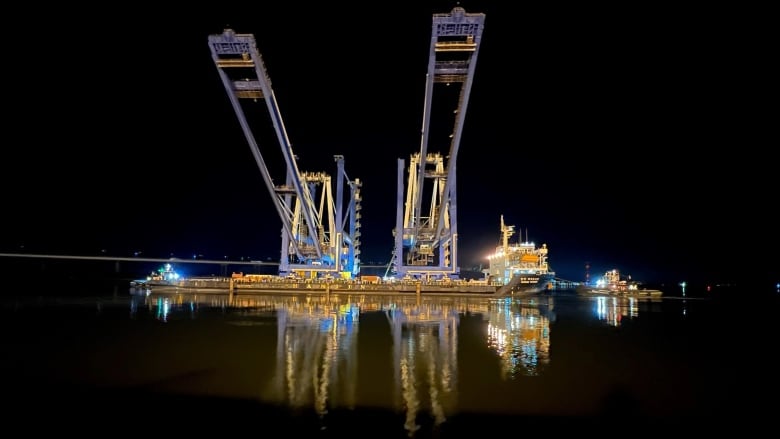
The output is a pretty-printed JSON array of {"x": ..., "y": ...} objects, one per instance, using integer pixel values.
[{"x": 628, "y": 137}]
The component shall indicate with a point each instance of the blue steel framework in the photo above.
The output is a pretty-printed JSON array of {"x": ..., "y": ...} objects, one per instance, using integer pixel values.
[
  {"x": 313, "y": 237},
  {"x": 426, "y": 240}
]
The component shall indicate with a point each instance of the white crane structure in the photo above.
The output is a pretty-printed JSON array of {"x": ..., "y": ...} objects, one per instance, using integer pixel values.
[
  {"x": 319, "y": 236},
  {"x": 426, "y": 234}
]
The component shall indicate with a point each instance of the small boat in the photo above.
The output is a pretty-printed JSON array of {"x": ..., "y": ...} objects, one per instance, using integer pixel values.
[
  {"x": 165, "y": 275},
  {"x": 613, "y": 284}
]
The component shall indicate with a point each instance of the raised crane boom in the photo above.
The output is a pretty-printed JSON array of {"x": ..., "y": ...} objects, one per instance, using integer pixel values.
[
  {"x": 313, "y": 237},
  {"x": 426, "y": 233}
]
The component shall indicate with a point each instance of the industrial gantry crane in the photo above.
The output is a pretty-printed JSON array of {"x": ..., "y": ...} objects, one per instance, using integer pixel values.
[
  {"x": 426, "y": 235},
  {"x": 314, "y": 240}
]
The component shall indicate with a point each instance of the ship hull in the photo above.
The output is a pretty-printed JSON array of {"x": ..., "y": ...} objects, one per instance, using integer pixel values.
[
  {"x": 230, "y": 286},
  {"x": 528, "y": 284}
]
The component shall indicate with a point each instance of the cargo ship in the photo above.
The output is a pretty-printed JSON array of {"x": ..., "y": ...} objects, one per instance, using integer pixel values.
[{"x": 520, "y": 268}]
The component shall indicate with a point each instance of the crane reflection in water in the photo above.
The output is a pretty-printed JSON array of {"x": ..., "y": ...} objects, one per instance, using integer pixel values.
[
  {"x": 425, "y": 353},
  {"x": 316, "y": 348},
  {"x": 316, "y": 354}
]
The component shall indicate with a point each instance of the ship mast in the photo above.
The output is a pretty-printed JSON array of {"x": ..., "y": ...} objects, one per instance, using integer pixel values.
[{"x": 506, "y": 232}]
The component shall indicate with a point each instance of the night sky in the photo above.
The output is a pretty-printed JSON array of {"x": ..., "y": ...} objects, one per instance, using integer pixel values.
[{"x": 628, "y": 137}]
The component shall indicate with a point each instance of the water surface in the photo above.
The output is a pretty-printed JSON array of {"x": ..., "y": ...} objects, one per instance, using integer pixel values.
[{"x": 391, "y": 366}]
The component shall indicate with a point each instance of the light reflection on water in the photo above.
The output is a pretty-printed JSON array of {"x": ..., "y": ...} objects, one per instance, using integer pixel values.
[
  {"x": 426, "y": 359},
  {"x": 613, "y": 310},
  {"x": 520, "y": 335},
  {"x": 316, "y": 356},
  {"x": 316, "y": 349},
  {"x": 425, "y": 340}
]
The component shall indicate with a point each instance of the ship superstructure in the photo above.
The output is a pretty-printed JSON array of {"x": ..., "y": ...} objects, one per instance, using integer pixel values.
[{"x": 521, "y": 264}]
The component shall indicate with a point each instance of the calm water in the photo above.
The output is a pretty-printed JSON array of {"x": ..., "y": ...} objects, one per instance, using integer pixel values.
[{"x": 386, "y": 366}]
